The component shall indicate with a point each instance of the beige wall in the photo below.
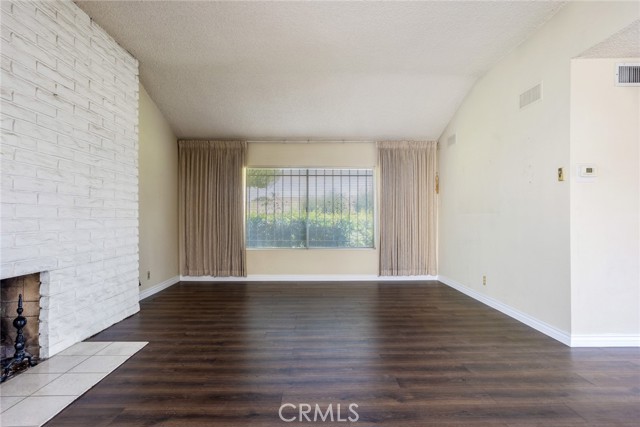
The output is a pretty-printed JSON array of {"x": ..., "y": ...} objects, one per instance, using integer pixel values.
[
  {"x": 316, "y": 154},
  {"x": 605, "y": 210},
  {"x": 158, "y": 195},
  {"x": 503, "y": 212},
  {"x": 312, "y": 261}
]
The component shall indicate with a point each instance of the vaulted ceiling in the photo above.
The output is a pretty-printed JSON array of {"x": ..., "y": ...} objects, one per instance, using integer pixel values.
[{"x": 318, "y": 70}]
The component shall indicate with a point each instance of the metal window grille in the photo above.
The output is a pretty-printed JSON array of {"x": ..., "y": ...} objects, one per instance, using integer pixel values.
[{"x": 309, "y": 208}]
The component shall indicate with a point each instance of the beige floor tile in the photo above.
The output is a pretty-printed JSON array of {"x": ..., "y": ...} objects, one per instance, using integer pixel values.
[
  {"x": 24, "y": 385},
  {"x": 56, "y": 365},
  {"x": 38, "y": 394},
  {"x": 103, "y": 364},
  {"x": 35, "y": 411},
  {"x": 122, "y": 348},
  {"x": 85, "y": 348},
  {"x": 70, "y": 384},
  {"x": 8, "y": 401}
]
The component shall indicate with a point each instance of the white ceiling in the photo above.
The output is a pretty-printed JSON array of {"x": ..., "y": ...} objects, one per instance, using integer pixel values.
[{"x": 315, "y": 70}]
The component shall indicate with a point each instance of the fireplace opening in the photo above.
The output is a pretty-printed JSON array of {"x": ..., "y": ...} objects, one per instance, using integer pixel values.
[{"x": 10, "y": 290}]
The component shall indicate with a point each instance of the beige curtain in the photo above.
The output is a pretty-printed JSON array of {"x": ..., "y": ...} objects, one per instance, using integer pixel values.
[
  {"x": 211, "y": 208},
  {"x": 408, "y": 208}
]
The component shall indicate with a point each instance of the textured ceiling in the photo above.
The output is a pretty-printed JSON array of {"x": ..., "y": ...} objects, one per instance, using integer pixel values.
[
  {"x": 343, "y": 70},
  {"x": 624, "y": 44}
]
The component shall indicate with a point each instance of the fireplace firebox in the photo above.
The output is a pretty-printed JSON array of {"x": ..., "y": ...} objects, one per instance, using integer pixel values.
[{"x": 23, "y": 291}]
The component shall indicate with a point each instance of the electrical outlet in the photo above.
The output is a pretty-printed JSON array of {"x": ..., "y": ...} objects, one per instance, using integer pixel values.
[
  {"x": 484, "y": 280},
  {"x": 148, "y": 275},
  {"x": 560, "y": 174}
]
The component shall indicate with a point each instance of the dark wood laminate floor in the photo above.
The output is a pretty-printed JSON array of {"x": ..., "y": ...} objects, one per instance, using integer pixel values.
[{"x": 408, "y": 354}]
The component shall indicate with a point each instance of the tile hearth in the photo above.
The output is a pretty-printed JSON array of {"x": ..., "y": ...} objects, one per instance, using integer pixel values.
[{"x": 38, "y": 394}]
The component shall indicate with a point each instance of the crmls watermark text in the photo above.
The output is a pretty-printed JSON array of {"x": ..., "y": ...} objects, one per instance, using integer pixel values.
[{"x": 316, "y": 414}]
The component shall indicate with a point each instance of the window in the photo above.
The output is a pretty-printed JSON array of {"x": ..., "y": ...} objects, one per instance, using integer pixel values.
[{"x": 309, "y": 208}]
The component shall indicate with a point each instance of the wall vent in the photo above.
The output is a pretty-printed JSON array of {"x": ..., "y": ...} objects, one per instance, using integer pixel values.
[
  {"x": 530, "y": 96},
  {"x": 628, "y": 75}
]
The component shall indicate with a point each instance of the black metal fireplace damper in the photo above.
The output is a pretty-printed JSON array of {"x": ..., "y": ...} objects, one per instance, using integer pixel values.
[{"x": 21, "y": 357}]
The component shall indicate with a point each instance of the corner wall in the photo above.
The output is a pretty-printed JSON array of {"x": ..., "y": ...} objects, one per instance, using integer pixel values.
[
  {"x": 158, "y": 198},
  {"x": 69, "y": 168},
  {"x": 503, "y": 212},
  {"x": 605, "y": 210}
]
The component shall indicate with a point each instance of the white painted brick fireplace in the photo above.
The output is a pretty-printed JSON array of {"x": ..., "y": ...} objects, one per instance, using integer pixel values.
[{"x": 69, "y": 168}]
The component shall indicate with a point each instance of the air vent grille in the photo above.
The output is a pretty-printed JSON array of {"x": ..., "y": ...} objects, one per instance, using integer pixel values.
[
  {"x": 628, "y": 75},
  {"x": 530, "y": 96}
]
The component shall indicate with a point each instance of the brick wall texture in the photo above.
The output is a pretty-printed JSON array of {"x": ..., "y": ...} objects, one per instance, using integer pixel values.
[{"x": 69, "y": 168}]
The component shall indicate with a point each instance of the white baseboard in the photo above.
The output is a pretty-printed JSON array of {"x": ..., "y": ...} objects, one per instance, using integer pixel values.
[
  {"x": 605, "y": 340},
  {"x": 306, "y": 278},
  {"x": 551, "y": 331},
  {"x": 159, "y": 287}
]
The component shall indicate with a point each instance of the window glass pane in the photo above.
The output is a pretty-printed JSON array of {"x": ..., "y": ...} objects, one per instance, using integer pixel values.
[
  {"x": 340, "y": 208},
  {"x": 276, "y": 208},
  {"x": 315, "y": 208}
]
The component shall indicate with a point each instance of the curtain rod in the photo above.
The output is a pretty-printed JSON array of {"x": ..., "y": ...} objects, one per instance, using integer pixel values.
[{"x": 306, "y": 141}]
